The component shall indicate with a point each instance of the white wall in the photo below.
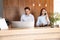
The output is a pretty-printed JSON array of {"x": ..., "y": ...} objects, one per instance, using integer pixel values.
[
  {"x": 57, "y": 9},
  {"x": 57, "y": 6}
]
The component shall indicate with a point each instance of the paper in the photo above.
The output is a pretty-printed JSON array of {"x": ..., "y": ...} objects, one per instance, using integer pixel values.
[{"x": 3, "y": 24}]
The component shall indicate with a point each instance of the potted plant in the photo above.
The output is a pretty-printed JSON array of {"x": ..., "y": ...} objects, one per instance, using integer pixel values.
[{"x": 53, "y": 18}]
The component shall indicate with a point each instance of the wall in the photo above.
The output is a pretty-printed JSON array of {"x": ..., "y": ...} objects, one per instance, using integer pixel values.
[
  {"x": 1, "y": 8},
  {"x": 14, "y": 8},
  {"x": 56, "y": 6}
]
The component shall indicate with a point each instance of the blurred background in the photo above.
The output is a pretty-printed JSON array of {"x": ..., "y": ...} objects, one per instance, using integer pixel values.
[{"x": 13, "y": 9}]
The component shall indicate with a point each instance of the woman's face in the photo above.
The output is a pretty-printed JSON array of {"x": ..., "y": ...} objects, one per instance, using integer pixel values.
[{"x": 44, "y": 12}]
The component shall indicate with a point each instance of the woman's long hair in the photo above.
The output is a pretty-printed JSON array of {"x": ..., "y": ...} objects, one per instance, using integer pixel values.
[{"x": 41, "y": 11}]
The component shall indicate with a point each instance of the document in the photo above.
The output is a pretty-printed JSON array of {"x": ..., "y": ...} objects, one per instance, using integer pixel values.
[{"x": 3, "y": 24}]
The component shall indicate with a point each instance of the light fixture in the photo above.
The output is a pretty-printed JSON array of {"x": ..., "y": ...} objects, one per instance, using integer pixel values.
[
  {"x": 39, "y": 4},
  {"x": 46, "y": 5},
  {"x": 33, "y": 4}
]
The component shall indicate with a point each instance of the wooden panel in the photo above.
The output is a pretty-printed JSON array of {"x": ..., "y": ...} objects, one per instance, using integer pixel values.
[
  {"x": 33, "y": 37},
  {"x": 21, "y": 6},
  {"x": 13, "y": 3},
  {"x": 11, "y": 9},
  {"x": 48, "y": 6},
  {"x": 51, "y": 6},
  {"x": 31, "y": 34}
]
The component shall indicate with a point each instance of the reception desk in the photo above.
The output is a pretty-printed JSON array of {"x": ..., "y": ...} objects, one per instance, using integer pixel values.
[{"x": 30, "y": 34}]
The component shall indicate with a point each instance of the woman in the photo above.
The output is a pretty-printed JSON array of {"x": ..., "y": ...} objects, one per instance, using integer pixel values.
[{"x": 43, "y": 19}]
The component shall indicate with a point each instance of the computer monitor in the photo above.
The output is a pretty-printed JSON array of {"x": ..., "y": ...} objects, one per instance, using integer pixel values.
[{"x": 19, "y": 24}]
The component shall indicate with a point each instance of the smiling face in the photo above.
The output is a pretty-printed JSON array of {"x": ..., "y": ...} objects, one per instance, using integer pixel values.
[
  {"x": 27, "y": 11},
  {"x": 44, "y": 12}
]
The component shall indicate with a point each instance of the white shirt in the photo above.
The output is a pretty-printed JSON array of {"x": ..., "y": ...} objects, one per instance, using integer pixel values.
[
  {"x": 42, "y": 20},
  {"x": 27, "y": 18}
]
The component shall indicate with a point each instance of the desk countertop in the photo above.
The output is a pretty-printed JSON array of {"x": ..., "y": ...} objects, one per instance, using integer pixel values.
[{"x": 15, "y": 31}]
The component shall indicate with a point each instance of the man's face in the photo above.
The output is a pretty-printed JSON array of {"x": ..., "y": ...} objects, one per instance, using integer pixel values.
[{"x": 27, "y": 11}]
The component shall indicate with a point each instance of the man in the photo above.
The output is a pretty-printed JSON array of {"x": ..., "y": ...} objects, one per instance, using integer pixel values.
[{"x": 27, "y": 17}]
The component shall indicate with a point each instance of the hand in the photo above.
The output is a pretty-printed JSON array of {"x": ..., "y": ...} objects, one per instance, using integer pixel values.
[{"x": 41, "y": 24}]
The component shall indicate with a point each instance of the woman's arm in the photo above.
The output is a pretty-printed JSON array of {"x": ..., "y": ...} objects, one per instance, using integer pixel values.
[{"x": 47, "y": 18}]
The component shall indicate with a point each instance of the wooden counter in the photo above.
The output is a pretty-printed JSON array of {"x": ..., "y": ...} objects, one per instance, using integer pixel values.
[{"x": 30, "y": 34}]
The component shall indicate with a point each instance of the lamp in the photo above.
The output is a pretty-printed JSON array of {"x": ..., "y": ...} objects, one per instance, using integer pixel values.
[
  {"x": 39, "y": 3},
  {"x": 33, "y": 4},
  {"x": 46, "y": 5}
]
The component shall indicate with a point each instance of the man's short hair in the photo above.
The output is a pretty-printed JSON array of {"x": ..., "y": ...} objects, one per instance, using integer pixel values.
[{"x": 26, "y": 8}]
